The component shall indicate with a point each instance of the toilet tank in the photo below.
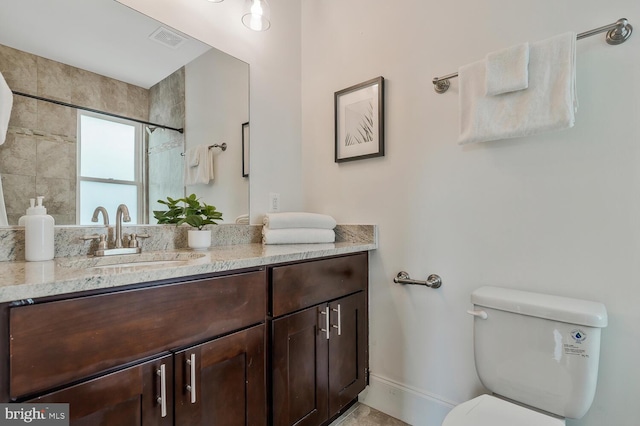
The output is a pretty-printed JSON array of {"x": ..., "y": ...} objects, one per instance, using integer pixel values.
[{"x": 538, "y": 349}]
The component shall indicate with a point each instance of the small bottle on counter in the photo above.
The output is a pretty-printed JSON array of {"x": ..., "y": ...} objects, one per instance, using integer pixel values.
[{"x": 38, "y": 233}]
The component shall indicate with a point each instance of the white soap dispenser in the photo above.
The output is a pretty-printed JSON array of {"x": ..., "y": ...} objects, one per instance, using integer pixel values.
[
  {"x": 38, "y": 233},
  {"x": 32, "y": 202}
]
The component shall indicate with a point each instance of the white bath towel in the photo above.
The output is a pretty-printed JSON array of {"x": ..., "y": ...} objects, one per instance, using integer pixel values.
[
  {"x": 243, "y": 219},
  {"x": 6, "y": 103},
  {"x": 202, "y": 172},
  {"x": 507, "y": 70},
  {"x": 297, "y": 236},
  {"x": 298, "y": 220},
  {"x": 3, "y": 207},
  {"x": 549, "y": 103}
]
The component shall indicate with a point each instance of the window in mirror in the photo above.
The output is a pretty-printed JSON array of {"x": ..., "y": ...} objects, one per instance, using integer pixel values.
[{"x": 109, "y": 166}]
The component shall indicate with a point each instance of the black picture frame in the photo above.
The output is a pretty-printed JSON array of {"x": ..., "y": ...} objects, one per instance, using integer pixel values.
[
  {"x": 359, "y": 121},
  {"x": 245, "y": 149}
]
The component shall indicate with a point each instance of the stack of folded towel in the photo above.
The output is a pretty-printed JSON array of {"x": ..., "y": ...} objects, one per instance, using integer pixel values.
[
  {"x": 298, "y": 228},
  {"x": 519, "y": 91}
]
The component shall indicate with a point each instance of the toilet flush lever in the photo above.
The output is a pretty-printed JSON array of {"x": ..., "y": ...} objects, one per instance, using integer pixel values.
[{"x": 479, "y": 314}]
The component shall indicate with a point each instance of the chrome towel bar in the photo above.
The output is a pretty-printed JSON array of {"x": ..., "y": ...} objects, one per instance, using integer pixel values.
[
  {"x": 433, "y": 280},
  {"x": 617, "y": 33}
]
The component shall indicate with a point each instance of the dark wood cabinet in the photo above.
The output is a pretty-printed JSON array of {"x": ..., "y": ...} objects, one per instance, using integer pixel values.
[
  {"x": 320, "y": 355},
  {"x": 120, "y": 358},
  {"x": 222, "y": 382},
  {"x": 133, "y": 396},
  {"x": 282, "y": 345}
]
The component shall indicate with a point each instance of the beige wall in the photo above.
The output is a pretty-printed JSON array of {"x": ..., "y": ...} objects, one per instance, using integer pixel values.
[{"x": 39, "y": 155}]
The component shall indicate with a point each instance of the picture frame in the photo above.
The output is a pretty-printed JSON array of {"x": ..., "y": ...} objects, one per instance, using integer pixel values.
[
  {"x": 359, "y": 121},
  {"x": 245, "y": 149}
]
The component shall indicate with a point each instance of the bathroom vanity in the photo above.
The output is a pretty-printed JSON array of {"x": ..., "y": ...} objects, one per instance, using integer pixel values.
[{"x": 281, "y": 340}]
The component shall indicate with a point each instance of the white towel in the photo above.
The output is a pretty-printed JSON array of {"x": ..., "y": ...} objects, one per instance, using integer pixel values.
[
  {"x": 548, "y": 104},
  {"x": 3, "y": 207},
  {"x": 297, "y": 236},
  {"x": 298, "y": 220},
  {"x": 202, "y": 172},
  {"x": 6, "y": 103},
  {"x": 243, "y": 219},
  {"x": 507, "y": 70}
]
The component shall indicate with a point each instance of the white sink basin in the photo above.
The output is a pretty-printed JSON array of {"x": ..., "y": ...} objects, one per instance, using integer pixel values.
[{"x": 133, "y": 260}]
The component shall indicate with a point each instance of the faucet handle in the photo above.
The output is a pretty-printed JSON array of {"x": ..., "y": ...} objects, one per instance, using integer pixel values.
[
  {"x": 133, "y": 240},
  {"x": 102, "y": 240}
]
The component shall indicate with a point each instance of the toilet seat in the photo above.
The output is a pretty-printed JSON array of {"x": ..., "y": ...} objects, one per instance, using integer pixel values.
[{"x": 487, "y": 410}]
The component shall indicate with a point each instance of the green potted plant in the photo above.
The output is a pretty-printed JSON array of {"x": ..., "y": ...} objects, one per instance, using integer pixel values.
[{"x": 194, "y": 213}]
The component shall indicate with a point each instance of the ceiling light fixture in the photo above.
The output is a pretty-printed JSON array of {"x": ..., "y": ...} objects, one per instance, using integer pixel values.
[{"x": 257, "y": 15}]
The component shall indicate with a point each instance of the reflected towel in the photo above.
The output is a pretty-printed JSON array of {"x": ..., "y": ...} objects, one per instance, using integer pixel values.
[
  {"x": 6, "y": 103},
  {"x": 202, "y": 172},
  {"x": 3, "y": 207},
  {"x": 548, "y": 104},
  {"x": 297, "y": 236},
  {"x": 507, "y": 70},
  {"x": 298, "y": 220},
  {"x": 243, "y": 219}
]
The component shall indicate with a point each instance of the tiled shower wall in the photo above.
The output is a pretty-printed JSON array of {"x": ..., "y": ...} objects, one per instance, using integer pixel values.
[
  {"x": 39, "y": 154},
  {"x": 165, "y": 147}
]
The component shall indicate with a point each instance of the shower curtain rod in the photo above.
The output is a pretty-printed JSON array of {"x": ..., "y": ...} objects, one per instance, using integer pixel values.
[
  {"x": 617, "y": 33},
  {"x": 96, "y": 111}
]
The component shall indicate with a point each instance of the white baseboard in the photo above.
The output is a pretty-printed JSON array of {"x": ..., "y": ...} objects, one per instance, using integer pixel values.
[{"x": 403, "y": 402}]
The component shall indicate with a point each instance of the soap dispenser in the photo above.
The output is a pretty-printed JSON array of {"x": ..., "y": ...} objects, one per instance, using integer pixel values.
[{"x": 38, "y": 233}]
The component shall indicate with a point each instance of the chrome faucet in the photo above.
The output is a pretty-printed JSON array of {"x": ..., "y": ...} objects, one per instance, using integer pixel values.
[
  {"x": 105, "y": 215},
  {"x": 122, "y": 214}
]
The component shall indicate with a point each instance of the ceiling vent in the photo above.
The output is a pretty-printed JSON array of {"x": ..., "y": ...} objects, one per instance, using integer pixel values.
[{"x": 168, "y": 38}]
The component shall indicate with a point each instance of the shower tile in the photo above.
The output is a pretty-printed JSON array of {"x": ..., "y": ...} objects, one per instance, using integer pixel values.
[
  {"x": 18, "y": 155},
  {"x": 24, "y": 112},
  {"x": 56, "y": 120},
  {"x": 57, "y": 195},
  {"x": 53, "y": 160},
  {"x": 17, "y": 190},
  {"x": 54, "y": 80},
  {"x": 19, "y": 69},
  {"x": 114, "y": 95},
  {"x": 86, "y": 89}
]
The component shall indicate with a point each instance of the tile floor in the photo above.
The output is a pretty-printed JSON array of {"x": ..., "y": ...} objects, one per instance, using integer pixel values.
[{"x": 362, "y": 415}]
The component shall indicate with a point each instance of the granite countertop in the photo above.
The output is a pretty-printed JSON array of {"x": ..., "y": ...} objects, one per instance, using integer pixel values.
[{"x": 21, "y": 280}]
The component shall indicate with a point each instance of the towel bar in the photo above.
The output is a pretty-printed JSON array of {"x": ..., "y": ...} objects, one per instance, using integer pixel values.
[
  {"x": 433, "y": 280},
  {"x": 222, "y": 146},
  {"x": 617, "y": 33}
]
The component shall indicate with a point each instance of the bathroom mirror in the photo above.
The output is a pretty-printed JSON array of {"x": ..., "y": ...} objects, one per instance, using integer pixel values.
[{"x": 107, "y": 57}]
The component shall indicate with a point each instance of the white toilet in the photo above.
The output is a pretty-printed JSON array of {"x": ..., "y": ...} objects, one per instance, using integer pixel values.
[{"x": 537, "y": 353}]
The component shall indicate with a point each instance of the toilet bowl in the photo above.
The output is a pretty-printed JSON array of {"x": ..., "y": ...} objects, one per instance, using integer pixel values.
[
  {"x": 540, "y": 352},
  {"x": 487, "y": 410}
]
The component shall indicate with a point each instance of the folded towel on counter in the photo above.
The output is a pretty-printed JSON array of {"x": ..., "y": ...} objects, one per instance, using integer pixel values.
[
  {"x": 243, "y": 219},
  {"x": 6, "y": 103},
  {"x": 298, "y": 220},
  {"x": 549, "y": 103},
  {"x": 507, "y": 70},
  {"x": 198, "y": 165},
  {"x": 297, "y": 236}
]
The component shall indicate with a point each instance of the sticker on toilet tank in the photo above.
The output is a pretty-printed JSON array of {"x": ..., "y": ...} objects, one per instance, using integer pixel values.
[{"x": 575, "y": 347}]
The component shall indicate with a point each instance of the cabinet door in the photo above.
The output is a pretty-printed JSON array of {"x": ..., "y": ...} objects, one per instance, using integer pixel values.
[
  {"x": 347, "y": 350},
  {"x": 129, "y": 397},
  {"x": 223, "y": 382},
  {"x": 300, "y": 368}
]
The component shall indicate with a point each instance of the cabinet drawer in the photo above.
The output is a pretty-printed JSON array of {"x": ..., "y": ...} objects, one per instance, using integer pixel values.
[
  {"x": 59, "y": 342},
  {"x": 306, "y": 284}
]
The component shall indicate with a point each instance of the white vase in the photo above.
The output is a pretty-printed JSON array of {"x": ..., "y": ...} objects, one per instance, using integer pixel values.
[{"x": 199, "y": 240}]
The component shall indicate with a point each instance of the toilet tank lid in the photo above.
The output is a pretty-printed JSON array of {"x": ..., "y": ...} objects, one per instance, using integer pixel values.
[{"x": 557, "y": 308}]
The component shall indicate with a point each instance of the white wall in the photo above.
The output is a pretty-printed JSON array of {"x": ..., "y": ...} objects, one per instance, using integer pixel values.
[
  {"x": 556, "y": 213},
  {"x": 274, "y": 58},
  {"x": 216, "y": 105}
]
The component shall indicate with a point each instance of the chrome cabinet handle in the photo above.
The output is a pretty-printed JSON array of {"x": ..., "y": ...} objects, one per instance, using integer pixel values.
[
  {"x": 162, "y": 399},
  {"x": 325, "y": 312},
  {"x": 191, "y": 386},
  {"x": 339, "y": 326}
]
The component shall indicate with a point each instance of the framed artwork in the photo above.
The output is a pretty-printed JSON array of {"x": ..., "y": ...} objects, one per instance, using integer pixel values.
[
  {"x": 245, "y": 149},
  {"x": 359, "y": 121}
]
